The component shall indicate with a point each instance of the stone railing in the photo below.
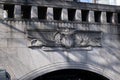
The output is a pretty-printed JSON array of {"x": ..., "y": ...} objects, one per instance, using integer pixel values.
[{"x": 84, "y": 14}]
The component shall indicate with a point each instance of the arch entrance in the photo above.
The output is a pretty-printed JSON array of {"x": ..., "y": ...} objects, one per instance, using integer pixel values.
[{"x": 71, "y": 74}]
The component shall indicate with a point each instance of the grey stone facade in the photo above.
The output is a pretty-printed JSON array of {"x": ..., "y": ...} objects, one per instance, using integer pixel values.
[{"x": 44, "y": 36}]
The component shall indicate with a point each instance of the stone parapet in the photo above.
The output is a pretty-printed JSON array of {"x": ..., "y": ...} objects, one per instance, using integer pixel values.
[
  {"x": 59, "y": 3},
  {"x": 58, "y": 35}
]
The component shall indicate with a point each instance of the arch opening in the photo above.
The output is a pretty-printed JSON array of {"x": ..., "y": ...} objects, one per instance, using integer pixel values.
[{"x": 71, "y": 74}]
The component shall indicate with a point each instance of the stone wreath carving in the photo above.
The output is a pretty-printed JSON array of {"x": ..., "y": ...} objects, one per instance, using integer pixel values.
[{"x": 64, "y": 37}]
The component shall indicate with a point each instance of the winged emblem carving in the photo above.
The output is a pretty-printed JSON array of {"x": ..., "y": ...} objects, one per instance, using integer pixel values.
[{"x": 64, "y": 37}]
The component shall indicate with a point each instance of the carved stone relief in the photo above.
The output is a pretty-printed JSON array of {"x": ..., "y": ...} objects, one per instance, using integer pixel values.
[{"x": 64, "y": 38}]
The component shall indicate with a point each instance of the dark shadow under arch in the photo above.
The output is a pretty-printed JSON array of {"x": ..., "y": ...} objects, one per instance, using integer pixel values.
[{"x": 71, "y": 74}]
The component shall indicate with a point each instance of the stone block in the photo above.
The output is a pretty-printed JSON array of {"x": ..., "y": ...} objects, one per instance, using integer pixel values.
[
  {"x": 18, "y": 26},
  {"x": 1, "y": 11},
  {"x": 4, "y": 35},
  {"x": 4, "y": 27},
  {"x": 17, "y": 35},
  {"x": 114, "y": 18},
  {"x": 34, "y": 12},
  {"x": 12, "y": 51},
  {"x": 113, "y": 29},
  {"x": 91, "y": 16},
  {"x": 94, "y": 27},
  {"x": 3, "y": 42},
  {"x": 17, "y": 42},
  {"x": 61, "y": 56},
  {"x": 24, "y": 57},
  {"x": 76, "y": 57},
  {"x": 5, "y": 14},
  {"x": 83, "y": 26},
  {"x": 103, "y": 17},
  {"x": 105, "y": 28},
  {"x": 94, "y": 57},
  {"x": 37, "y": 57},
  {"x": 3, "y": 54},
  {"x": 17, "y": 12},
  {"x": 40, "y": 25},
  {"x": 49, "y": 13},
  {"x": 78, "y": 15},
  {"x": 114, "y": 74},
  {"x": 80, "y": 27},
  {"x": 64, "y": 15}
]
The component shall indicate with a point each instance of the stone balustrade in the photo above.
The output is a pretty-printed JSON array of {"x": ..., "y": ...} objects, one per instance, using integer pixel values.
[{"x": 57, "y": 13}]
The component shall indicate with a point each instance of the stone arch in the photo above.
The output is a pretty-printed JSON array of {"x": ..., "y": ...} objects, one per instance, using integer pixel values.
[
  {"x": 71, "y": 74},
  {"x": 60, "y": 66}
]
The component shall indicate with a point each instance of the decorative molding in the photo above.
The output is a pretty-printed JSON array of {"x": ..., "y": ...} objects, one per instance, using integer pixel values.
[{"x": 67, "y": 38}]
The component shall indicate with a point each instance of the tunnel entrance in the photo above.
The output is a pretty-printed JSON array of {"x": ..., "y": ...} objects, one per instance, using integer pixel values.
[{"x": 71, "y": 74}]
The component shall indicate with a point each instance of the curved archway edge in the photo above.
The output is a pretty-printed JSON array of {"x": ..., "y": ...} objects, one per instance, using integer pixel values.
[{"x": 59, "y": 66}]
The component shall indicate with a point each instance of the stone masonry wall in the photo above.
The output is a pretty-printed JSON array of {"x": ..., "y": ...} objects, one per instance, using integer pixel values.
[{"x": 25, "y": 63}]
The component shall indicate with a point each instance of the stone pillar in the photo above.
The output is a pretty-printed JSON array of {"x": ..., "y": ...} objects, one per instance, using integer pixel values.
[
  {"x": 103, "y": 17},
  {"x": 1, "y": 11},
  {"x": 4, "y": 12},
  {"x": 64, "y": 14},
  {"x": 114, "y": 18},
  {"x": 91, "y": 17},
  {"x": 49, "y": 13},
  {"x": 34, "y": 12},
  {"x": 78, "y": 15},
  {"x": 17, "y": 11}
]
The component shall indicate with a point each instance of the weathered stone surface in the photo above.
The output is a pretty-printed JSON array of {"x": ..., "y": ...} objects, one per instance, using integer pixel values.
[
  {"x": 5, "y": 27},
  {"x": 34, "y": 12},
  {"x": 17, "y": 12},
  {"x": 91, "y": 16},
  {"x": 16, "y": 40},
  {"x": 78, "y": 15},
  {"x": 114, "y": 20},
  {"x": 103, "y": 17},
  {"x": 64, "y": 15},
  {"x": 50, "y": 13},
  {"x": 1, "y": 11},
  {"x": 24, "y": 63},
  {"x": 76, "y": 58}
]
